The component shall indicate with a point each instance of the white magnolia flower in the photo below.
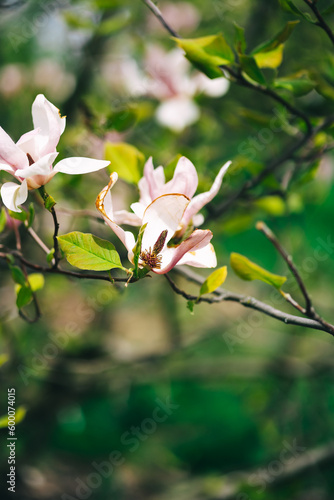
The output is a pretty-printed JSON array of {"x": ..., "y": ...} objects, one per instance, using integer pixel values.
[
  {"x": 185, "y": 181},
  {"x": 161, "y": 219},
  {"x": 31, "y": 159}
]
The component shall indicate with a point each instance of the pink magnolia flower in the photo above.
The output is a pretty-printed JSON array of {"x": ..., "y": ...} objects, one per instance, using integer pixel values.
[
  {"x": 160, "y": 221},
  {"x": 30, "y": 159},
  {"x": 185, "y": 182}
]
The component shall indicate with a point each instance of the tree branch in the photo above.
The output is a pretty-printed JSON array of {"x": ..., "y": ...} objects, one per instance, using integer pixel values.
[
  {"x": 321, "y": 21},
  {"x": 153, "y": 8},
  {"x": 244, "y": 300}
]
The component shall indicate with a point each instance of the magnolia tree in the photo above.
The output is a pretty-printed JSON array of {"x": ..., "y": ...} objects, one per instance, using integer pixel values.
[{"x": 168, "y": 215}]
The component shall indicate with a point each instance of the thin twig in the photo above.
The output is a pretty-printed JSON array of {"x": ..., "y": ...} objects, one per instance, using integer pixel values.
[
  {"x": 261, "y": 226},
  {"x": 38, "y": 240},
  {"x": 321, "y": 21},
  {"x": 309, "y": 310},
  {"x": 244, "y": 300},
  {"x": 55, "y": 240},
  {"x": 153, "y": 8}
]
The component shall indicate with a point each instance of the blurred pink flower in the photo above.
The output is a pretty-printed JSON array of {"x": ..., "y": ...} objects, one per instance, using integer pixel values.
[
  {"x": 161, "y": 219},
  {"x": 30, "y": 159}
]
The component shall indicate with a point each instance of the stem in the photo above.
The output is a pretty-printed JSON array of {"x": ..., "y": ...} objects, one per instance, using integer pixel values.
[
  {"x": 153, "y": 8},
  {"x": 321, "y": 21}
]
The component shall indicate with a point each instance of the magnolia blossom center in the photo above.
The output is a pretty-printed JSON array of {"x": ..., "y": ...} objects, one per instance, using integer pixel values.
[{"x": 153, "y": 258}]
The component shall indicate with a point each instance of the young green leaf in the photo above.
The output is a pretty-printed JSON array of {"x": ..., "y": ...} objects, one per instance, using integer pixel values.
[
  {"x": 249, "y": 66},
  {"x": 86, "y": 251},
  {"x": 126, "y": 160},
  {"x": 3, "y": 359},
  {"x": 190, "y": 306},
  {"x": 248, "y": 271},
  {"x": 3, "y": 219},
  {"x": 24, "y": 296},
  {"x": 20, "y": 413},
  {"x": 22, "y": 216},
  {"x": 239, "y": 39},
  {"x": 31, "y": 215},
  {"x": 207, "y": 53},
  {"x": 270, "y": 59},
  {"x": 298, "y": 84},
  {"x": 137, "y": 250},
  {"x": 17, "y": 275},
  {"x": 277, "y": 40},
  {"x": 289, "y": 6},
  {"x": 214, "y": 281}
]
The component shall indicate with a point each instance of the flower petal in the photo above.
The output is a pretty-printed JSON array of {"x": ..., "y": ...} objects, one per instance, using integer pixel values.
[
  {"x": 6, "y": 167},
  {"x": 185, "y": 179},
  {"x": 124, "y": 217},
  {"x": 13, "y": 194},
  {"x": 78, "y": 165},
  {"x": 204, "y": 257},
  {"x": 172, "y": 256},
  {"x": 152, "y": 184},
  {"x": 104, "y": 206},
  {"x": 29, "y": 143},
  {"x": 40, "y": 167},
  {"x": 198, "y": 202},
  {"x": 47, "y": 118},
  {"x": 212, "y": 88},
  {"x": 164, "y": 213},
  {"x": 177, "y": 113},
  {"x": 10, "y": 153}
]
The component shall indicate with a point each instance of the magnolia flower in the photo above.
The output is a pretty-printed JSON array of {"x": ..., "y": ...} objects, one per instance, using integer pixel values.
[
  {"x": 184, "y": 181},
  {"x": 169, "y": 79},
  {"x": 160, "y": 221},
  {"x": 30, "y": 159}
]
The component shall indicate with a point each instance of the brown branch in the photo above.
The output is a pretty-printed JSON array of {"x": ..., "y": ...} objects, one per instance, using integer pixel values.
[
  {"x": 309, "y": 310},
  {"x": 244, "y": 300},
  {"x": 321, "y": 23},
  {"x": 58, "y": 270}
]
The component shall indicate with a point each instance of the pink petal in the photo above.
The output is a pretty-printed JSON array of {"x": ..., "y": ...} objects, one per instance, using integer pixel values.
[
  {"x": 40, "y": 167},
  {"x": 205, "y": 257},
  {"x": 13, "y": 195},
  {"x": 199, "y": 201},
  {"x": 124, "y": 217},
  {"x": 47, "y": 118},
  {"x": 10, "y": 153},
  {"x": 164, "y": 213},
  {"x": 185, "y": 179},
  {"x": 78, "y": 165},
  {"x": 172, "y": 256},
  {"x": 104, "y": 206}
]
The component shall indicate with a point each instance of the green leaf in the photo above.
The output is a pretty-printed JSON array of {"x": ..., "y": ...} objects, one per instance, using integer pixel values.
[
  {"x": 17, "y": 275},
  {"x": 214, "y": 281},
  {"x": 22, "y": 216},
  {"x": 20, "y": 413},
  {"x": 207, "y": 53},
  {"x": 239, "y": 39},
  {"x": 273, "y": 205},
  {"x": 248, "y": 271},
  {"x": 50, "y": 255},
  {"x": 86, "y": 251},
  {"x": 277, "y": 40},
  {"x": 270, "y": 59},
  {"x": 75, "y": 21},
  {"x": 249, "y": 66},
  {"x": 190, "y": 306},
  {"x": 289, "y": 6},
  {"x": 299, "y": 84},
  {"x": 36, "y": 281},
  {"x": 3, "y": 219},
  {"x": 115, "y": 23},
  {"x": 137, "y": 249},
  {"x": 24, "y": 296},
  {"x": 125, "y": 159},
  {"x": 3, "y": 359}
]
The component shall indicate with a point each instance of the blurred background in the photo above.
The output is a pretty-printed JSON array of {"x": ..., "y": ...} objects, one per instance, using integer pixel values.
[{"x": 127, "y": 394}]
